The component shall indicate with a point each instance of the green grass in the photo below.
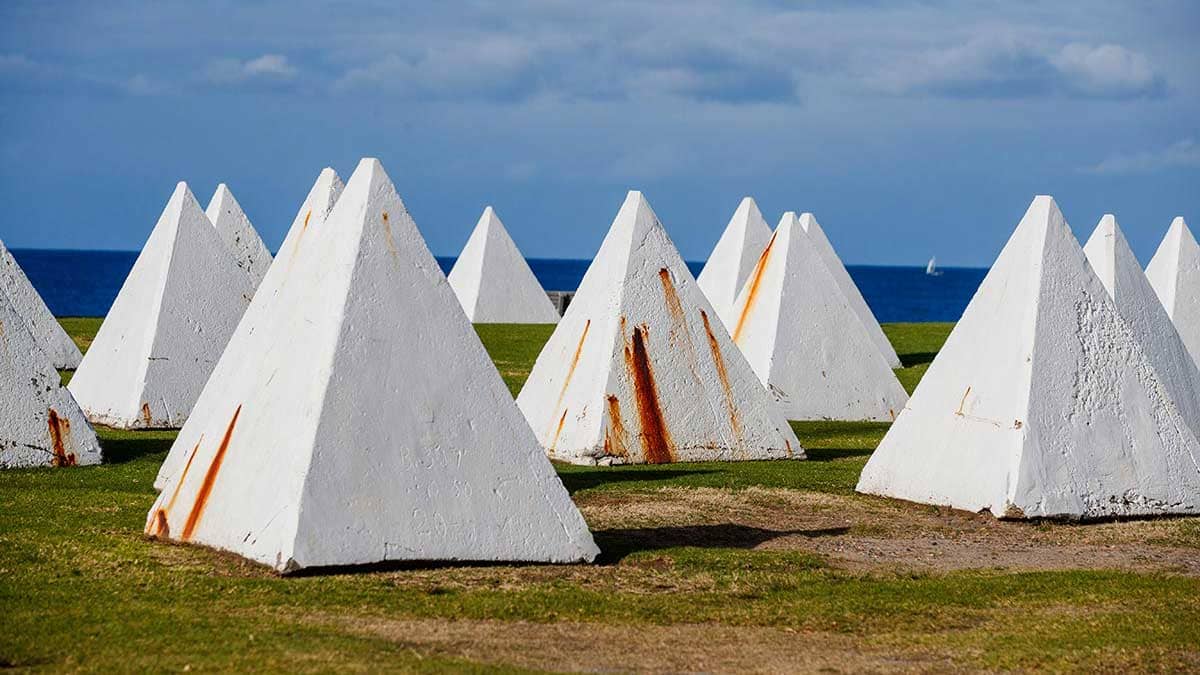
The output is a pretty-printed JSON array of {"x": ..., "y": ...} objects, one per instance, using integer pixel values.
[{"x": 80, "y": 588}]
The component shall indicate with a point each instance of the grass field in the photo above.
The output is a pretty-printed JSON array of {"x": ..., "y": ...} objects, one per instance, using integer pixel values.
[{"x": 771, "y": 566}]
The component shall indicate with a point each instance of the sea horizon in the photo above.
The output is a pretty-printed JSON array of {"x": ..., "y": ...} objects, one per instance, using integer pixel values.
[{"x": 84, "y": 282}]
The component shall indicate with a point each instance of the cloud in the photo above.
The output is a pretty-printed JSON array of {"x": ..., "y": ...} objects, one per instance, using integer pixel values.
[
  {"x": 1008, "y": 66},
  {"x": 265, "y": 69},
  {"x": 486, "y": 67},
  {"x": 1107, "y": 71},
  {"x": 1181, "y": 154}
]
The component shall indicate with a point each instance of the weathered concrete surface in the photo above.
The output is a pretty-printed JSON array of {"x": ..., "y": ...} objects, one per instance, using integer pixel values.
[
  {"x": 1117, "y": 267},
  {"x": 492, "y": 280},
  {"x": 238, "y": 234},
  {"x": 370, "y": 424},
  {"x": 40, "y": 423},
  {"x": 167, "y": 327},
  {"x": 1042, "y": 403},
  {"x": 804, "y": 341},
  {"x": 733, "y": 258},
  {"x": 849, "y": 289},
  {"x": 240, "y": 354},
  {"x": 28, "y": 304},
  {"x": 640, "y": 370},
  {"x": 1174, "y": 272}
]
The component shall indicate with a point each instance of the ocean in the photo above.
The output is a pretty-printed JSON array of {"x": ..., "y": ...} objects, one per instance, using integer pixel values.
[{"x": 84, "y": 283}]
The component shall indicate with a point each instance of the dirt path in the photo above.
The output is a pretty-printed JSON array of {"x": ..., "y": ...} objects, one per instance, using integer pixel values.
[{"x": 869, "y": 534}]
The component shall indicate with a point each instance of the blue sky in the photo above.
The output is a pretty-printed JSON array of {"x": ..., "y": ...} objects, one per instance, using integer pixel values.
[{"x": 908, "y": 128}]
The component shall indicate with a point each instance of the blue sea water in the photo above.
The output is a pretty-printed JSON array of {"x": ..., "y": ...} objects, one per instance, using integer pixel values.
[{"x": 84, "y": 283}]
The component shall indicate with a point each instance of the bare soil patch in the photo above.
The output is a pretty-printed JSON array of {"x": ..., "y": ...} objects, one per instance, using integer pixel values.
[
  {"x": 588, "y": 647},
  {"x": 870, "y": 534}
]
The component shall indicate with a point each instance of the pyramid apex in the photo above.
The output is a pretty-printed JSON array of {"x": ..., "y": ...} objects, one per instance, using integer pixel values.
[
  {"x": 789, "y": 218},
  {"x": 806, "y": 220}
]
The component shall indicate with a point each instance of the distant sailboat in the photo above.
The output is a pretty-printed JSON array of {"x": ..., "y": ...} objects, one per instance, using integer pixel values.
[{"x": 931, "y": 269}]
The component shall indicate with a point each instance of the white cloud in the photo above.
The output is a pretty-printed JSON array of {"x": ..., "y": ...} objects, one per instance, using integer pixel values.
[
  {"x": 268, "y": 68},
  {"x": 1011, "y": 65},
  {"x": 1181, "y": 154},
  {"x": 1106, "y": 70}
]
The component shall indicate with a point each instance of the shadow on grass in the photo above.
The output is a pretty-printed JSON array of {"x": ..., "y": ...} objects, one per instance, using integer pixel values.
[
  {"x": 617, "y": 544},
  {"x": 831, "y": 454},
  {"x": 122, "y": 450},
  {"x": 916, "y": 359},
  {"x": 583, "y": 479}
]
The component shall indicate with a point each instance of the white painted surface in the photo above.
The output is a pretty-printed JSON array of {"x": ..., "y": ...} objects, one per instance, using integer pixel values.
[
  {"x": 28, "y": 304},
  {"x": 493, "y": 282},
  {"x": 1174, "y": 272},
  {"x": 1042, "y": 401},
  {"x": 1113, "y": 261},
  {"x": 734, "y": 256},
  {"x": 370, "y": 424},
  {"x": 849, "y": 289},
  {"x": 238, "y": 234},
  {"x": 804, "y": 341},
  {"x": 167, "y": 327},
  {"x": 241, "y": 354},
  {"x": 640, "y": 370},
  {"x": 40, "y": 423}
]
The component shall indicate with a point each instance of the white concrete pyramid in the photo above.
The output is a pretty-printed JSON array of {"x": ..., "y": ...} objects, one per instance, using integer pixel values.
[
  {"x": 40, "y": 424},
  {"x": 733, "y": 258},
  {"x": 371, "y": 425},
  {"x": 240, "y": 354},
  {"x": 849, "y": 289},
  {"x": 48, "y": 333},
  {"x": 167, "y": 327},
  {"x": 803, "y": 340},
  {"x": 237, "y": 233},
  {"x": 494, "y": 283},
  {"x": 1174, "y": 272},
  {"x": 1115, "y": 264},
  {"x": 1042, "y": 401},
  {"x": 640, "y": 371}
]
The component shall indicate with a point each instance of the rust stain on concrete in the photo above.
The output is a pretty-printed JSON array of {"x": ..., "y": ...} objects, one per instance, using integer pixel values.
[
  {"x": 735, "y": 419},
  {"x": 614, "y": 436},
  {"x": 210, "y": 478},
  {"x": 755, "y": 281},
  {"x": 656, "y": 439},
  {"x": 60, "y": 438}
]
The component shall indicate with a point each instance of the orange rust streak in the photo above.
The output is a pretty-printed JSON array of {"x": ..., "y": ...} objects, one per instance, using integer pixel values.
[
  {"x": 60, "y": 429},
  {"x": 146, "y": 414},
  {"x": 570, "y": 372},
  {"x": 183, "y": 476},
  {"x": 673, "y": 304},
  {"x": 305, "y": 225},
  {"x": 616, "y": 445},
  {"x": 755, "y": 281},
  {"x": 210, "y": 477},
  {"x": 161, "y": 529},
  {"x": 656, "y": 441},
  {"x": 558, "y": 431},
  {"x": 735, "y": 419}
]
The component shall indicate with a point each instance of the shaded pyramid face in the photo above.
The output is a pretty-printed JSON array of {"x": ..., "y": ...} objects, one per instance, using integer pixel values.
[
  {"x": 853, "y": 297},
  {"x": 1042, "y": 401},
  {"x": 361, "y": 438},
  {"x": 238, "y": 234},
  {"x": 40, "y": 423},
  {"x": 256, "y": 323},
  {"x": 168, "y": 325},
  {"x": 46, "y": 331},
  {"x": 494, "y": 283},
  {"x": 1115, "y": 264},
  {"x": 1174, "y": 273},
  {"x": 733, "y": 258},
  {"x": 804, "y": 341},
  {"x": 640, "y": 370}
]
